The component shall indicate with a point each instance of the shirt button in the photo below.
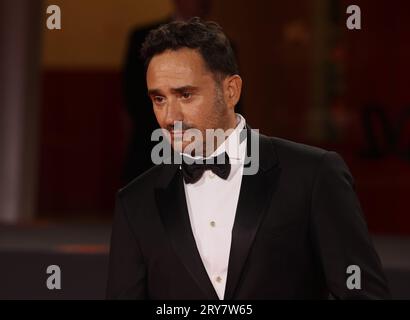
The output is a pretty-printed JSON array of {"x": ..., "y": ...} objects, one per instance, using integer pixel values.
[
  {"x": 211, "y": 174},
  {"x": 212, "y": 223},
  {"x": 218, "y": 279}
]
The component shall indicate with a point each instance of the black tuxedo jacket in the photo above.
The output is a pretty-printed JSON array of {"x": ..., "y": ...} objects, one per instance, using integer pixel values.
[{"x": 297, "y": 228}]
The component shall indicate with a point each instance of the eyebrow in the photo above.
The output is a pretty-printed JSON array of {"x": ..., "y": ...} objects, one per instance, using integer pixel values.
[{"x": 178, "y": 90}]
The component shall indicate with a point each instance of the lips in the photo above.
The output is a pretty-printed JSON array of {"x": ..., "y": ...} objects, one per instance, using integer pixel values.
[{"x": 177, "y": 133}]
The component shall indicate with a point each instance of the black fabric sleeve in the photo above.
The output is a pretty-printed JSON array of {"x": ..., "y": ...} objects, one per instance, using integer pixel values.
[
  {"x": 127, "y": 272},
  {"x": 340, "y": 234}
]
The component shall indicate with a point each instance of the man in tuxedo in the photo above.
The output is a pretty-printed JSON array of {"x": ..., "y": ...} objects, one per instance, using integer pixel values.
[{"x": 207, "y": 229}]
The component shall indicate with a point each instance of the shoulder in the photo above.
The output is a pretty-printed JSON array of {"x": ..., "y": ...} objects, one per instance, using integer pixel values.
[
  {"x": 303, "y": 158},
  {"x": 142, "y": 184},
  {"x": 293, "y": 150},
  {"x": 288, "y": 148}
]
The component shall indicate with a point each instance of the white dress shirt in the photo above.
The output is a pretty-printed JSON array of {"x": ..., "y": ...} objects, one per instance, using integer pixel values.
[{"x": 212, "y": 203}]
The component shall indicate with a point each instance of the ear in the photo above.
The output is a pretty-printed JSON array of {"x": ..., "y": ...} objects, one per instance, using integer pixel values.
[{"x": 232, "y": 90}]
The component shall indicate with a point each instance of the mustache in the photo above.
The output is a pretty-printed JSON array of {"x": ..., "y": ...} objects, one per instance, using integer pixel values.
[{"x": 180, "y": 126}]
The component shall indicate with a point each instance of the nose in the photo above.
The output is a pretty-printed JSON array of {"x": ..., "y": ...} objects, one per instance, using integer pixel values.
[{"x": 174, "y": 113}]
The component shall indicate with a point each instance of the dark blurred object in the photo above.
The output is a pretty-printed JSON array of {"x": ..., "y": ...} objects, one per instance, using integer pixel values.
[
  {"x": 138, "y": 105},
  {"x": 385, "y": 136},
  {"x": 380, "y": 139}
]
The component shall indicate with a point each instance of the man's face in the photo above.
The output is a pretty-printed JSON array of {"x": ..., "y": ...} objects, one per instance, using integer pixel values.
[{"x": 182, "y": 89}]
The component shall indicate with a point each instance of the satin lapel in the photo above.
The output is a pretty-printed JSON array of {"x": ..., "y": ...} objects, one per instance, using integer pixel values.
[
  {"x": 173, "y": 210},
  {"x": 255, "y": 195}
]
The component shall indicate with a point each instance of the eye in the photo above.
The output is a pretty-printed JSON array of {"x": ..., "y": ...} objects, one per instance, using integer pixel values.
[
  {"x": 158, "y": 99},
  {"x": 186, "y": 95}
]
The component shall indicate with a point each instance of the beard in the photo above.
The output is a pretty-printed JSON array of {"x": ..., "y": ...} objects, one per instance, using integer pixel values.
[{"x": 194, "y": 140}]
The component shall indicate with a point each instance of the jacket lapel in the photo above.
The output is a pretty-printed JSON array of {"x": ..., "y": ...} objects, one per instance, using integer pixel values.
[
  {"x": 173, "y": 210},
  {"x": 255, "y": 195}
]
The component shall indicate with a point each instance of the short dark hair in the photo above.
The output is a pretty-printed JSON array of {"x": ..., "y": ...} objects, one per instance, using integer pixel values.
[{"x": 205, "y": 36}]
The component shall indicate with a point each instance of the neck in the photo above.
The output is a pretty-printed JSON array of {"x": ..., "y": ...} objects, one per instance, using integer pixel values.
[{"x": 230, "y": 125}]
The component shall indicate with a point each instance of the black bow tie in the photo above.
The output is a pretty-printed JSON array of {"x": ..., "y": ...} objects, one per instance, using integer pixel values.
[{"x": 219, "y": 165}]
